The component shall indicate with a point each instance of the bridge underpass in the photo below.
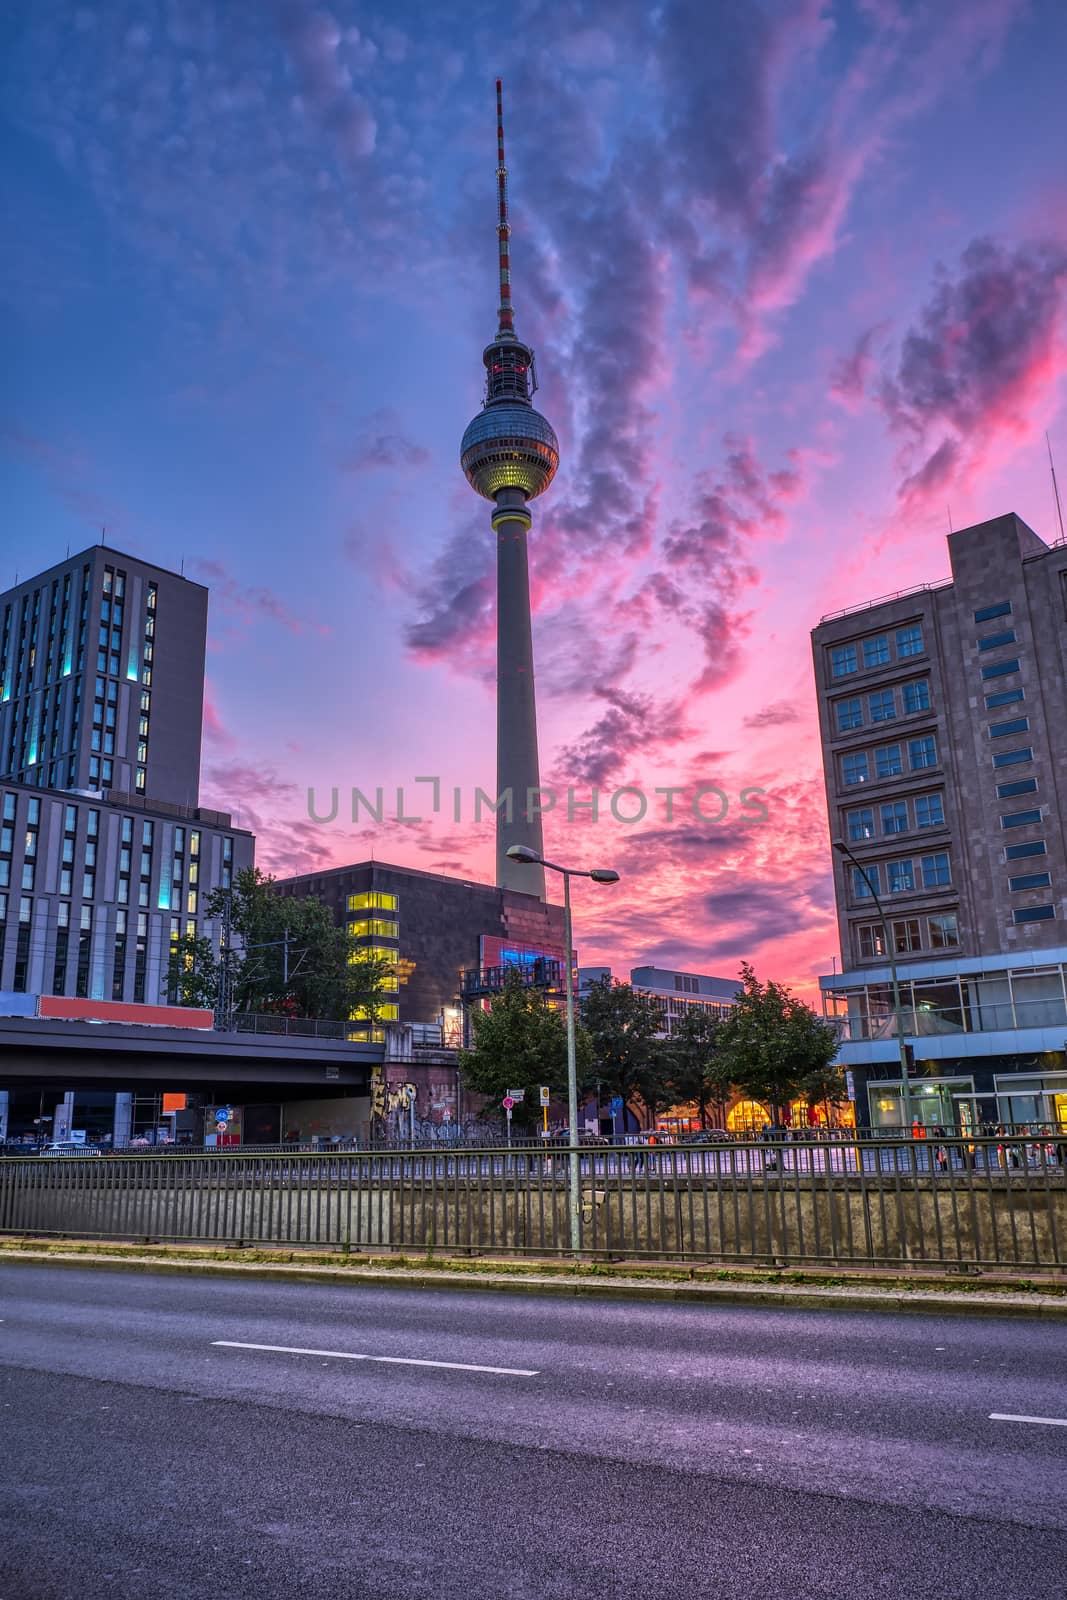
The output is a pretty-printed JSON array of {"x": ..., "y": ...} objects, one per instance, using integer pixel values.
[{"x": 109, "y": 1080}]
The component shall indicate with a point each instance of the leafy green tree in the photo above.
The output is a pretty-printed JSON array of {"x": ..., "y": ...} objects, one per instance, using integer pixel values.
[
  {"x": 288, "y": 955},
  {"x": 629, "y": 1058},
  {"x": 824, "y": 1086},
  {"x": 696, "y": 1072},
  {"x": 770, "y": 1043},
  {"x": 520, "y": 1043}
]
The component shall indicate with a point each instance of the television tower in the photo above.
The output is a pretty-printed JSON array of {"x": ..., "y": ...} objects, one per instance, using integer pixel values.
[{"x": 510, "y": 454}]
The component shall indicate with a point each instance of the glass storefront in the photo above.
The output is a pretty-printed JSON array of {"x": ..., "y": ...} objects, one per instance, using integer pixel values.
[{"x": 932, "y": 1103}]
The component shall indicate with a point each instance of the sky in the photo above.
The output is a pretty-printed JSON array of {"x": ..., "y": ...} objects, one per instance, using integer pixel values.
[{"x": 795, "y": 272}]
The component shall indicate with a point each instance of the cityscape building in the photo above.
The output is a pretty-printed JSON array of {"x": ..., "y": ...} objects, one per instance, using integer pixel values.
[
  {"x": 510, "y": 454},
  {"x": 676, "y": 992},
  {"x": 943, "y": 719}
]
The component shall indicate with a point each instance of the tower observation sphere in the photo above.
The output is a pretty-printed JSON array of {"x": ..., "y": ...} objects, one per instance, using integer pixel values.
[{"x": 509, "y": 455}]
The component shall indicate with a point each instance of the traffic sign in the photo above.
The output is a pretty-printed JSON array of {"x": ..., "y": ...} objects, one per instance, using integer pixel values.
[
  {"x": 517, "y": 1095},
  {"x": 509, "y": 1102},
  {"x": 546, "y": 1095},
  {"x": 616, "y": 1104}
]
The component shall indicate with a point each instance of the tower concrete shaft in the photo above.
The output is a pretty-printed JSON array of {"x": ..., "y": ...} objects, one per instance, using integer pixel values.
[
  {"x": 510, "y": 454},
  {"x": 518, "y": 777}
]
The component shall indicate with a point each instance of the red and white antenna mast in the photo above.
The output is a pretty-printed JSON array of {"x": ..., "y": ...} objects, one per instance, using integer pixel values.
[{"x": 505, "y": 316}]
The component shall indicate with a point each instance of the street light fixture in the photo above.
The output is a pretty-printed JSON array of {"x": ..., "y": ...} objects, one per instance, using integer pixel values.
[
  {"x": 523, "y": 853},
  {"x": 905, "y": 1094}
]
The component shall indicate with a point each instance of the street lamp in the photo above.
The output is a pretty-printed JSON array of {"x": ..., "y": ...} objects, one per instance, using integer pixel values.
[
  {"x": 905, "y": 1096},
  {"x": 523, "y": 853}
]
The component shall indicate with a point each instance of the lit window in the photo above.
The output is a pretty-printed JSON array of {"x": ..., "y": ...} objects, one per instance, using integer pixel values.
[
  {"x": 374, "y": 927},
  {"x": 916, "y": 696},
  {"x": 849, "y": 715},
  {"x": 883, "y": 706},
  {"x": 922, "y": 752},
  {"x": 872, "y": 942},
  {"x": 372, "y": 900},
  {"x": 910, "y": 641},
  {"x": 944, "y": 931},
  {"x": 929, "y": 811},
  {"x": 854, "y": 769},
  {"x": 900, "y": 877},
  {"x": 888, "y": 762},
  {"x": 895, "y": 817},
  {"x": 937, "y": 874},
  {"x": 860, "y": 825},
  {"x": 876, "y": 651},
  {"x": 139, "y": 782},
  {"x": 843, "y": 660}
]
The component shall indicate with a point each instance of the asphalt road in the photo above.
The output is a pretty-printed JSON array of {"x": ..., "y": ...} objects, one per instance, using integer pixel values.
[{"x": 563, "y": 1447}]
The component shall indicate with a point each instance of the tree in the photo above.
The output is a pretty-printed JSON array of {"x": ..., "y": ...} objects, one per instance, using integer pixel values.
[
  {"x": 824, "y": 1086},
  {"x": 520, "y": 1043},
  {"x": 770, "y": 1043},
  {"x": 629, "y": 1057},
  {"x": 288, "y": 955},
  {"x": 695, "y": 1066}
]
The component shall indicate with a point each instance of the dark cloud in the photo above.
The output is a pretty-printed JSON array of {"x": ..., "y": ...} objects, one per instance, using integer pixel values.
[
  {"x": 776, "y": 715},
  {"x": 382, "y": 443},
  {"x": 632, "y": 722},
  {"x": 978, "y": 359},
  {"x": 850, "y": 375}
]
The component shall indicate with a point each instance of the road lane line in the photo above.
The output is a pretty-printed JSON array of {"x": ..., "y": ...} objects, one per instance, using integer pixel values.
[
  {"x": 1046, "y": 1422},
  {"x": 389, "y": 1361}
]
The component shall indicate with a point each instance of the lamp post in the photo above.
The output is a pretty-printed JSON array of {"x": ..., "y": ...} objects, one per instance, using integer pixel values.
[
  {"x": 523, "y": 853},
  {"x": 905, "y": 1095}
]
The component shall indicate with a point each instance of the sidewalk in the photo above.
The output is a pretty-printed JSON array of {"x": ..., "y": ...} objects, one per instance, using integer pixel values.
[{"x": 861, "y": 1290}]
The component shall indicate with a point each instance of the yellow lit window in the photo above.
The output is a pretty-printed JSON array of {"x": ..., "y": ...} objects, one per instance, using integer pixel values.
[
  {"x": 374, "y": 927},
  {"x": 372, "y": 900},
  {"x": 388, "y": 1013},
  {"x": 392, "y": 986}
]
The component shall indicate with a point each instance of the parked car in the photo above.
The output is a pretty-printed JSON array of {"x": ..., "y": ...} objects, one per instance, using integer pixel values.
[{"x": 67, "y": 1147}]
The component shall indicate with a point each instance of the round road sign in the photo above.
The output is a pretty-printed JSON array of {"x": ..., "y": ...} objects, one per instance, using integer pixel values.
[{"x": 508, "y": 1102}]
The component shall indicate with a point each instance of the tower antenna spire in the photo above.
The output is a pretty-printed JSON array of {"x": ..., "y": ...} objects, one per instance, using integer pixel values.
[
  {"x": 505, "y": 315},
  {"x": 1055, "y": 485}
]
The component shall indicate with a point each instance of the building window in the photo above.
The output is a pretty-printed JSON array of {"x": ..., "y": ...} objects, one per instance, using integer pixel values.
[
  {"x": 118, "y": 969},
  {"x": 861, "y": 888},
  {"x": 895, "y": 817},
  {"x": 1017, "y": 852},
  {"x": 992, "y": 640},
  {"x": 944, "y": 931},
  {"x": 860, "y": 824},
  {"x": 849, "y": 715},
  {"x": 1000, "y": 670},
  {"x": 910, "y": 640},
  {"x": 194, "y": 842},
  {"x": 140, "y": 959},
  {"x": 916, "y": 695},
  {"x": 872, "y": 941},
  {"x": 907, "y": 936},
  {"x": 1032, "y": 880},
  {"x": 59, "y": 965},
  {"x": 22, "y": 946},
  {"x": 1014, "y": 758},
  {"x": 85, "y": 940},
  {"x": 987, "y": 613},
  {"x": 876, "y": 650},
  {"x": 1019, "y": 819},
  {"x": 1000, "y": 730},
  {"x": 1005, "y": 791},
  {"x": 888, "y": 762},
  {"x": 922, "y": 753},
  {"x": 1009, "y": 697},
  {"x": 883, "y": 706},
  {"x": 929, "y": 811},
  {"x": 900, "y": 877},
  {"x": 854, "y": 769},
  {"x": 374, "y": 927},
  {"x": 1035, "y": 914},
  {"x": 937, "y": 874},
  {"x": 843, "y": 660}
]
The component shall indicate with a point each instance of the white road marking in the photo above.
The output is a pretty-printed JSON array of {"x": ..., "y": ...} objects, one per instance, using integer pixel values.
[
  {"x": 389, "y": 1361},
  {"x": 1047, "y": 1422}
]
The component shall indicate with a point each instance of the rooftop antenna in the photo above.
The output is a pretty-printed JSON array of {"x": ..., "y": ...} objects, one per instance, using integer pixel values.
[
  {"x": 951, "y": 529},
  {"x": 505, "y": 315},
  {"x": 1055, "y": 485}
]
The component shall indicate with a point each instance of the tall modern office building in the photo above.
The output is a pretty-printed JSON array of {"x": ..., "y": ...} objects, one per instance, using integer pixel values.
[
  {"x": 102, "y": 678},
  {"x": 106, "y": 856},
  {"x": 510, "y": 455},
  {"x": 943, "y": 716}
]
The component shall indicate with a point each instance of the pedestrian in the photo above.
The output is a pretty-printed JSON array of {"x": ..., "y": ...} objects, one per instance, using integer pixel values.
[{"x": 941, "y": 1155}]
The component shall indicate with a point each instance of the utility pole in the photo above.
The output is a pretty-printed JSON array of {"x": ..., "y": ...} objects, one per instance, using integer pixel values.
[{"x": 224, "y": 1003}]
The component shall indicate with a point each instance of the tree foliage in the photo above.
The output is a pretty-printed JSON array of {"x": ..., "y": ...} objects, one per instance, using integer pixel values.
[
  {"x": 770, "y": 1043},
  {"x": 697, "y": 1072},
  {"x": 629, "y": 1058},
  {"x": 520, "y": 1043},
  {"x": 288, "y": 955}
]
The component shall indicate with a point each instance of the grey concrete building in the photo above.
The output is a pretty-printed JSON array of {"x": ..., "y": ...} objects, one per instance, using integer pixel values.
[
  {"x": 677, "y": 992},
  {"x": 943, "y": 718},
  {"x": 102, "y": 678}
]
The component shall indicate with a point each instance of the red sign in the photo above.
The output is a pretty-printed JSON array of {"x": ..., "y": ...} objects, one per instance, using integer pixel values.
[{"x": 69, "y": 1010}]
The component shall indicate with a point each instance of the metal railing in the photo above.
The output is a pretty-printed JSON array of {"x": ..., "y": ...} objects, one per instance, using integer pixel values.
[
  {"x": 885, "y": 599},
  {"x": 966, "y": 1203}
]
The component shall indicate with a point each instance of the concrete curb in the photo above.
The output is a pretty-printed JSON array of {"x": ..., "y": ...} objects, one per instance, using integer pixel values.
[{"x": 811, "y": 1297}]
